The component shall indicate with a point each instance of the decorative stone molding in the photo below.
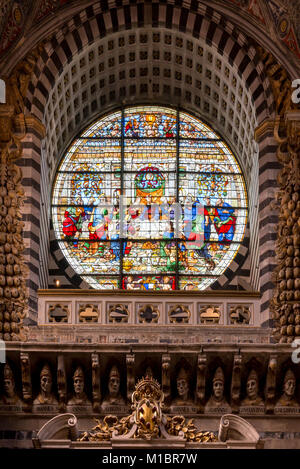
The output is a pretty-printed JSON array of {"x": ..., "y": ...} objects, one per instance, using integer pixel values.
[
  {"x": 130, "y": 362},
  {"x": 58, "y": 313},
  {"x": 96, "y": 384},
  {"x": 26, "y": 380},
  {"x": 61, "y": 383},
  {"x": 118, "y": 313},
  {"x": 236, "y": 383},
  {"x": 88, "y": 313},
  {"x": 200, "y": 385},
  {"x": 270, "y": 391},
  {"x": 235, "y": 430},
  {"x": 61, "y": 427},
  {"x": 209, "y": 314},
  {"x": 148, "y": 314},
  {"x": 179, "y": 314},
  {"x": 239, "y": 314}
]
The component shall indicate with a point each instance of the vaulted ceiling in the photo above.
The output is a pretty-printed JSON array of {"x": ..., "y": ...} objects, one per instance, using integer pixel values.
[{"x": 24, "y": 22}]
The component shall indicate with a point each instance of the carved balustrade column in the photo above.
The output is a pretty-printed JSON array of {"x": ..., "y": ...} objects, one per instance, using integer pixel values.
[{"x": 14, "y": 127}]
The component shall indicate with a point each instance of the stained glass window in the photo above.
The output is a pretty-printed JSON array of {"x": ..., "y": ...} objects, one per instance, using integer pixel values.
[{"x": 149, "y": 198}]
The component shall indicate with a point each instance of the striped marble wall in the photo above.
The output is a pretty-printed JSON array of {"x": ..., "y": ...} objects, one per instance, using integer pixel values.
[{"x": 66, "y": 112}]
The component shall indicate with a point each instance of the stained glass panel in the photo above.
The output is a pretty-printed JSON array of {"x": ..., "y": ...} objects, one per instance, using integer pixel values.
[
  {"x": 149, "y": 198},
  {"x": 150, "y": 122}
]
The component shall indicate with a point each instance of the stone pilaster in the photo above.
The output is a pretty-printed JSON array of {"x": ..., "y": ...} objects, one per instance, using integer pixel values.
[{"x": 286, "y": 301}]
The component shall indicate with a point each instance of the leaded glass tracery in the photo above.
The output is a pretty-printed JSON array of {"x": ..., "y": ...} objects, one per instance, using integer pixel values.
[{"x": 149, "y": 198}]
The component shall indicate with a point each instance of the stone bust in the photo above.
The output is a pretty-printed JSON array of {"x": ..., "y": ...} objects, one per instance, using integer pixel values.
[
  {"x": 252, "y": 385},
  {"x": 182, "y": 384},
  {"x": 217, "y": 398},
  {"x": 287, "y": 398},
  {"x": 80, "y": 397},
  {"x": 45, "y": 396},
  {"x": 113, "y": 397},
  {"x": 10, "y": 397}
]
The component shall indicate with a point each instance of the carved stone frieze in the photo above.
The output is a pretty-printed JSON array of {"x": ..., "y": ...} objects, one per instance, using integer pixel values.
[{"x": 192, "y": 390}]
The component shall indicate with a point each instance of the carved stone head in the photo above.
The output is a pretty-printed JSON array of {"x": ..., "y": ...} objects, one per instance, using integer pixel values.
[
  {"x": 8, "y": 382},
  {"x": 46, "y": 379},
  {"x": 252, "y": 385},
  {"x": 182, "y": 384},
  {"x": 289, "y": 384},
  {"x": 218, "y": 384},
  {"x": 78, "y": 381},
  {"x": 114, "y": 382}
]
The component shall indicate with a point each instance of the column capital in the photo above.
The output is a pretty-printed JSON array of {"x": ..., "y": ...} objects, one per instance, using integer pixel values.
[{"x": 266, "y": 127}]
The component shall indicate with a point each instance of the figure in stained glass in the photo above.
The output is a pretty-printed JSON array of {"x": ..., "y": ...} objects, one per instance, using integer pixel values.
[
  {"x": 224, "y": 221},
  {"x": 72, "y": 224}
]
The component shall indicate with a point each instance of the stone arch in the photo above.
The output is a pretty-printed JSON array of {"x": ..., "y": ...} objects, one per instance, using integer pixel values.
[{"x": 206, "y": 25}]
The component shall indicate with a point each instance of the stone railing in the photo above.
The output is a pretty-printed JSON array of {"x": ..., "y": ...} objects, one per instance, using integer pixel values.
[{"x": 142, "y": 317}]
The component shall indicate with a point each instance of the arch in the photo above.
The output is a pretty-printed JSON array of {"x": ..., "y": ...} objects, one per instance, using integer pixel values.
[
  {"x": 208, "y": 25},
  {"x": 203, "y": 24}
]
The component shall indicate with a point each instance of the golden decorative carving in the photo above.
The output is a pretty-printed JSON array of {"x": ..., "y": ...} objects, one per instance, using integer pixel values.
[
  {"x": 177, "y": 425},
  {"x": 147, "y": 420}
]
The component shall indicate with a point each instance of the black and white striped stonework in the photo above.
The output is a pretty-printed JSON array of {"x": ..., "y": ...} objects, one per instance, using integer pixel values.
[
  {"x": 195, "y": 24},
  {"x": 268, "y": 216}
]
